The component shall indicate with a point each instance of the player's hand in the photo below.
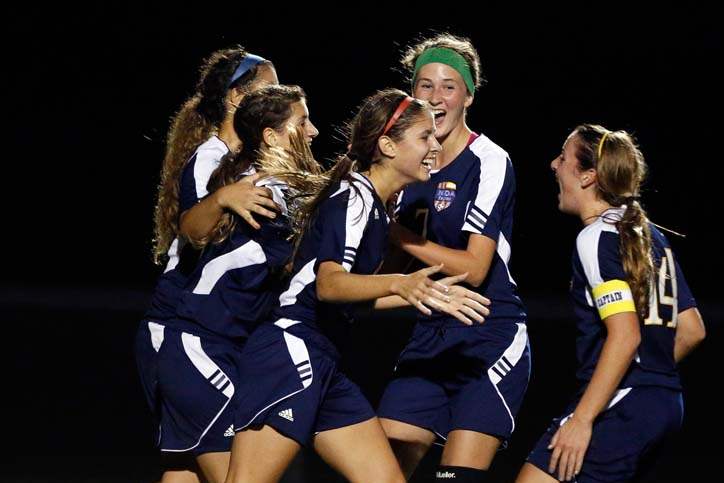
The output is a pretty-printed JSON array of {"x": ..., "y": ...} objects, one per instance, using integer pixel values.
[
  {"x": 569, "y": 446},
  {"x": 418, "y": 289},
  {"x": 244, "y": 198},
  {"x": 463, "y": 304}
]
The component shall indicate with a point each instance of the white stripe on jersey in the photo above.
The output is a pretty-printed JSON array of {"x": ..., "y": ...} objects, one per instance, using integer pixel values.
[
  {"x": 618, "y": 395},
  {"x": 511, "y": 355},
  {"x": 493, "y": 164},
  {"x": 398, "y": 202},
  {"x": 157, "y": 332},
  {"x": 286, "y": 323},
  {"x": 304, "y": 277},
  {"x": 299, "y": 354},
  {"x": 250, "y": 253},
  {"x": 300, "y": 357},
  {"x": 277, "y": 189},
  {"x": 359, "y": 205},
  {"x": 510, "y": 358},
  {"x": 173, "y": 254},
  {"x": 208, "y": 156},
  {"x": 207, "y": 367},
  {"x": 343, "y": 186},
  {"x": 587, "y": 247},
  {"x": 355, "y": 223},
  {"x": 504, "y": 251},
  {"x": 204, "y": 364}
]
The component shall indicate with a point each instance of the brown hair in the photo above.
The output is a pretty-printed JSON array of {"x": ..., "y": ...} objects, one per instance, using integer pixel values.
[
  {"x": 363, "y": 133},
  {"x": 269, "y": 107},
  {"x": 620, "y": 171},
  {"x": 198, "y": 117}
]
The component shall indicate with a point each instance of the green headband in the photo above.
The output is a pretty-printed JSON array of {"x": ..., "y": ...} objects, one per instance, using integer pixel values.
[{"x": 447, "y": 57}]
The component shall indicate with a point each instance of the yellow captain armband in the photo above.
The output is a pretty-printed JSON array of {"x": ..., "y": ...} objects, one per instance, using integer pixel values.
[{"x": 613, "y": 297}]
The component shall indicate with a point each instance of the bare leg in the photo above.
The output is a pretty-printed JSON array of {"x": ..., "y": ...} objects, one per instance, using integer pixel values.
[
  {"x": 469, "y": 449},
  {"x": 532, "y": 474},
  {"x": 260, "y": 456},
  {"x": 179, "y": 468},
  {"x": 214, "y": 466},
  {"x": 179, "y": 476},
  {"x": 360, "y": 452},
  {"x": 409, "y": 443}
]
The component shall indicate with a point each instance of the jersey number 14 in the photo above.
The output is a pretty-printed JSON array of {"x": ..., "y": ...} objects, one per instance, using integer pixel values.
[{"x": 659, "y": 298}]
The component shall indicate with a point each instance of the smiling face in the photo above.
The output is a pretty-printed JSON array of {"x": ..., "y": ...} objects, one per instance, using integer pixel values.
[
  {"x": 298, "y": 119},
  {"x": 443, "y": 87},
  {"x": 416, "y": 151}
]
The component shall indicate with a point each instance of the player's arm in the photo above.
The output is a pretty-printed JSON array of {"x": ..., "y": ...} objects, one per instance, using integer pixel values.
[
  {"x": 475, "y": 259},
  {"x": 690, "y": 332},
  {"x": 570, "y": 442},
  {"x": 242, "y": 197},
  {"x": 336, "y": 285}
]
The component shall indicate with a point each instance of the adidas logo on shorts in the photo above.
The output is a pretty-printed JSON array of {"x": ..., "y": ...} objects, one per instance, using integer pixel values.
[
  {"x": 287, "y": 414},
  {"x": 445, "y": 474},
  {"x": 229, "y": 433}
]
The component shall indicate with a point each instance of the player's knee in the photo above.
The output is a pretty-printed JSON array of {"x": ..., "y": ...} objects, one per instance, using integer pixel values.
[{"x": 412, "y": 436}]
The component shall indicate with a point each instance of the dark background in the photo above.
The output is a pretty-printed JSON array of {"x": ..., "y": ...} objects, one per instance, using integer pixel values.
[{"x": 90, "y": 94}]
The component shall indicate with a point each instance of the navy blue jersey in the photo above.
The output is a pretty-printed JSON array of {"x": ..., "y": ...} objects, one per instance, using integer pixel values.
[
  {"x": 351, "y": 228},
  {"x": 599, "y": 289},
  {"x": 182, "y": 257},
  {"x": 237, "y": 282},
  {"x": 475, "y": 193},
  {"x": 197, "y": 171}
]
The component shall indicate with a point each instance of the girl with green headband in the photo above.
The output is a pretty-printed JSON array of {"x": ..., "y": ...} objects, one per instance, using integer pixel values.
[
  {"x": 445, "y": 71},
  {"x": 292, "y": 390},
  {"x": 461, "y": 383}
]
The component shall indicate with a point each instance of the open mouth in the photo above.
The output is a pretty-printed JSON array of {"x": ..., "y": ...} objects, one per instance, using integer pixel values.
[
  {"x": 428, "y": 163},
  {"x": 439, "y": 116}
]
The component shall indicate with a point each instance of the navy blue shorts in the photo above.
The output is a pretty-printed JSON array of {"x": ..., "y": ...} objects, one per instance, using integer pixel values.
[
  {"x": 290, "y": 381},
  {"x": 148, "y": 341},
  {"x": 191, "y": 384},
  {"x": 632, "y": 427},
  {"x": 467, "y": 377}
]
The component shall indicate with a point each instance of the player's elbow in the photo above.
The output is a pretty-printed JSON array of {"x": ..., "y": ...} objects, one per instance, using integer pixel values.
[
  {"x": 325, "y": 289},
  {"x": 697, "y": 333},
  {"x": 184, "y": 227},
  {"x": 187, "y": 230},
  {"x": 624, "y": 332},
  {"x": 635, "y": 340},
  {"x": 691, "y": 327},
  {"x": 197, "y": 240},
  {"x": 700, "y": 335},
  {"x": 631, "y": 340},
  {"x": 476, "y": 277}
]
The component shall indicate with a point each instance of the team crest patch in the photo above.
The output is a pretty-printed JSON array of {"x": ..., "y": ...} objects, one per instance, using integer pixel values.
[{"x": 444, "y": 195}]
